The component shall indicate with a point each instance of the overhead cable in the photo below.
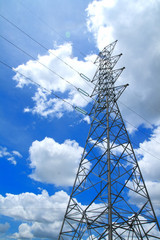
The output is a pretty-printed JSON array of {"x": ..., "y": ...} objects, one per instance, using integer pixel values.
[
  {"x": 82, "y": 111},
  {"x": 136, "y": 113},
  {"x": 81, "y": 91},
  {"x": 55, "y": 73},
  {"x": 53, "y": 29},
  {"x": 44, "y": 47}
]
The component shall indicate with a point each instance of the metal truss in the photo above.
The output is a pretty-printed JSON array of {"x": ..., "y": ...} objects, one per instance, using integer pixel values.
[{"x": 109, "y": 199}]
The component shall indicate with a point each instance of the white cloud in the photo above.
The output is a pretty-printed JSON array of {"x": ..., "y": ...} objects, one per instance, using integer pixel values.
[
  {"x": 91, "y": 237},
  {"x": 10, "y": 156},
  {"x": 45, "y": 105},
  {"x": 38, "y": 230},
  {"x": 55, "y": 163},
  {"x": 12, "y": 160},
  {"x": 133, "y": 23},
  {"x": 97, "y": 21},
  {"x": 24, "y": 232},
  {"x": 16, "y": 153},
  {"x": 87, "y": 119},
  {"x": 54, "y": 77},
  {"x": 149, "y": 160},
  {"x": 154, "y": 192},
  {"x": 43, "y": 213},
  {"x": 4, "y": 152}
]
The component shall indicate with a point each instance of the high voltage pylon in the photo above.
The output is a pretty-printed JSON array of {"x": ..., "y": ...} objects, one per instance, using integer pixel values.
[{"x": 109, "y": 199}]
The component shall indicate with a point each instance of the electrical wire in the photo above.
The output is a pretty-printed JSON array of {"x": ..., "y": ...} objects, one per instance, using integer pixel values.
[
  {"x": 44, "y": 47},
  {"x": 29, "y": 55},
  {"x": 81, "y": 91},
  {"x": 43, "y": 88},
  {"x": 74, "y": 107},
  {"x": 52, "y": 29},
  {"x": 146, "y": 151},
  {"x": 78, "y": 89},
  {"x": 136, "y": 113},
  {"x": 78, "y": 109},
  {"x": 153, "y": 107},
  {"x": 52, "y": 71},
  {"x": 147, "y": 135},
  {"x": 59, "y": 59}
]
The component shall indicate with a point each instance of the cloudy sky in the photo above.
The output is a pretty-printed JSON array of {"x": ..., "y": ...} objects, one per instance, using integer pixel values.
[{"x": 47, "y": 51}]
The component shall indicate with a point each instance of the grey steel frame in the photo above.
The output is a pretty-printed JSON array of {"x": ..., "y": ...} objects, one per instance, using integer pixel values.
[{"x": 109, "y": 178}]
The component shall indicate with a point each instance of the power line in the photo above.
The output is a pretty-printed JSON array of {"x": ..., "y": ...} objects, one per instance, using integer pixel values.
[
  {"x": 147, "y": 135},
  {"x": 82, "y": 111},
  {"x": 55, "y": 73},
  {"x": 50, "y": 92},
  {"x": 52, "y": 29},
  {"x": 47, "y": 90},
  {"x": 81, "y": 91},
  {"x": 153, "y": 107},
  {"x": 82, "y": 75},
  {"x": 44, "y": 47},
  {"x": 136, "y": 113},
  {"x": 146, "y": 151},
  {"x": 78, "y": 89}
]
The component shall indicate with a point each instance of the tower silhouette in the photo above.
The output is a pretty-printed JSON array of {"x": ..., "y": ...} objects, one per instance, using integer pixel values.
[{"x": 109, "y": 199}]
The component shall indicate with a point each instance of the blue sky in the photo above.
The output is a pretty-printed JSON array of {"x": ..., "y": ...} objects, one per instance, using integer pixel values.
[{"x": 41, "y": 137}]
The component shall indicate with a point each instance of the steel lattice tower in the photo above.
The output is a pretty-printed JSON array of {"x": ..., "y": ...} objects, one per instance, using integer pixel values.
[{"x": 109, "y": 199}]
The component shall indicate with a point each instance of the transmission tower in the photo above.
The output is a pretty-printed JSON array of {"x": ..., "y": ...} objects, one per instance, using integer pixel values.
[{"x": 109, "y": 199}]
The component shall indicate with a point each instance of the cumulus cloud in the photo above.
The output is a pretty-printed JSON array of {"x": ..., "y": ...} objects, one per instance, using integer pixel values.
[
  {"x": 134, "y": 24},
  {"x": 24, "y": 232},
  {"x": 55, "y": 163},
  {"x": 58, "y": 78},
  {"x": 87, "y": 119},
  {"x": 149, "y": 162},
  {"x": 16, "y": 153},
  {"x": 154, "y": 194},
  {"x": 97, "y": 24},
  {"x": 10, "y": 156},
  {"x": 148, "y": 155},
  {"x": 38, "y": 230},
  {"x": 153, "y": 189},
  {"x": 43, "y": 213}
]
